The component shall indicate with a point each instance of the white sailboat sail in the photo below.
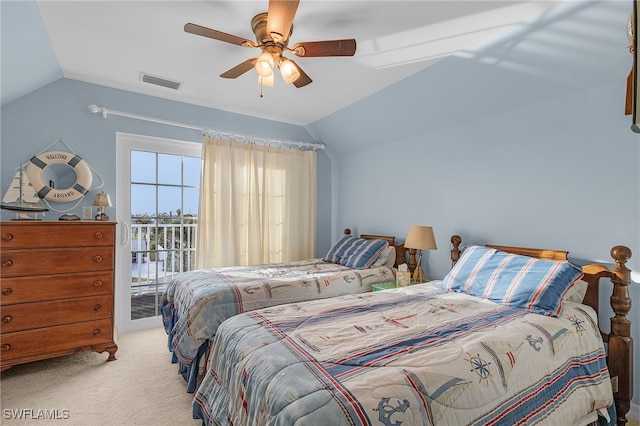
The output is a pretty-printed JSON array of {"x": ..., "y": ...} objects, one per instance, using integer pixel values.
[{"x": 21, "y": 195}]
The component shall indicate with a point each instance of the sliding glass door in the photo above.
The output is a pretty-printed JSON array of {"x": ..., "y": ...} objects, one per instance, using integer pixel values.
[{"x": 157, "y": 208}]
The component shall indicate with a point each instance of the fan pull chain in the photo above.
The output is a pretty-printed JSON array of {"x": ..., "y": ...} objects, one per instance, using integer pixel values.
[{"x": 261, "y": 94}]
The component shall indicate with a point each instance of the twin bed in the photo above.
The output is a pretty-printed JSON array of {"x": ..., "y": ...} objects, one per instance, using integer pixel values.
[
  {"x": 509, "y": 336},
  {"x": 197, "y": 302}
]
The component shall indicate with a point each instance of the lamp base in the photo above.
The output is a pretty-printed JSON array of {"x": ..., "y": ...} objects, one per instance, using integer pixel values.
[
  {"x": 102, "y": 216},
  {"x": 418, "y": 276},
  {"x": 418, "y": 273},
  {"x": 412, "y": 260}
]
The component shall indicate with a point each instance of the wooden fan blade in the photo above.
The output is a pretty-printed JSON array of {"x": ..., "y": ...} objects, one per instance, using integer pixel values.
[
  {"x": 280, "y": 19},
  {"x": 345, "y": 47},
  {"x": 217, "y": 35},
  {"x": 240, "y": 69},
  {"x": 304, "y": 79}
]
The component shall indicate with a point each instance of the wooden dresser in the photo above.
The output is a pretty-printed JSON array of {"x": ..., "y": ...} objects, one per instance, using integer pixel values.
[{"x": 57, "y": 290}]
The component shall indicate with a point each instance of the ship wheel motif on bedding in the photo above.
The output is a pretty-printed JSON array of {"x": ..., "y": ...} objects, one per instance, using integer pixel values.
[
  {"x": 504, "y": 355},
  {"x": 577, "y": 323},
  {"x": 479, "y": 366},
  {"x": 589, "y": 320}
]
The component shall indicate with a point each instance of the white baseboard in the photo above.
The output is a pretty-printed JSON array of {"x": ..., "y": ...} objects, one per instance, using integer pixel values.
[{"x": 634, "y": 412}]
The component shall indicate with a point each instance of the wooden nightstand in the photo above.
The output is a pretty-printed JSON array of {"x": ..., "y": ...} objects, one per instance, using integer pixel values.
[{"x": 383, "y": 286}]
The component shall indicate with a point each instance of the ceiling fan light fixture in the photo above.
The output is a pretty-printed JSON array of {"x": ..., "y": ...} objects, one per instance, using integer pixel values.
[
  {"x": 264, "y": 64},
  {"x": 267, "y": 81},
  {"x": 289, "y": 71},
  {"x": 272, "y": 30}
]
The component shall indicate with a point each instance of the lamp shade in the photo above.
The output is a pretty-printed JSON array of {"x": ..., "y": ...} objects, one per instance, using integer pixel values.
[
  {"x": 102, "y": 200},
  {"x": 421, "y": 237},
  {"x": 267, "y": 81},
  {"x": 264, "y": 64},
  {"x": 289, "y": 71}
]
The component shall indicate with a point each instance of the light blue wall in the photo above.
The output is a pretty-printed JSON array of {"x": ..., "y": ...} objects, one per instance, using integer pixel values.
[
  {"x": 527, "y": 152},
  {"x": 571, "y": 181},
  {"x": 23, "y": 31},
  {"x": 59, "y": 110}
]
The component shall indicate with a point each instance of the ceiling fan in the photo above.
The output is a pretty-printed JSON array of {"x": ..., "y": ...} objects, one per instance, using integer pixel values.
[{"x": 272, "y": 30}]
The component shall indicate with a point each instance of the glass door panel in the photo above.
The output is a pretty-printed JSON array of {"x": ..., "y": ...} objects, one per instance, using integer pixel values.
[{"x": 158, "y": 194}]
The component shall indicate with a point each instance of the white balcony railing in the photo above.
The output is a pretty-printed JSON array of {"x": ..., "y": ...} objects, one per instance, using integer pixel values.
[{"x": 158, "y": 252}]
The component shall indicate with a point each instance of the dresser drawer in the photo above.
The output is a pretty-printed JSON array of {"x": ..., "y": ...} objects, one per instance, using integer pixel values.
[
  {"x": 56, "y": 289},
  {"x": 56, "y": 234},
  {"x": 62, "y": 338},
  {"x": 27, "y": 316},
  {"x": 50, "y": 287},
  {"x": 62, "y": 260}
]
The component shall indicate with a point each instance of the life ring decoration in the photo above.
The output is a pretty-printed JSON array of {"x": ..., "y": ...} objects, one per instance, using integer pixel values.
[{"x": 79, "y": 189}]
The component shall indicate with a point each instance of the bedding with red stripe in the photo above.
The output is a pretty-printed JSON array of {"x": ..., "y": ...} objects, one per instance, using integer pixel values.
[{"x": 413, "y": 355}]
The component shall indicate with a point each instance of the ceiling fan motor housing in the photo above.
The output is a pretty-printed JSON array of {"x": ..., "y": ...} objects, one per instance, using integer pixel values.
[{"x": 259, "y": 27}]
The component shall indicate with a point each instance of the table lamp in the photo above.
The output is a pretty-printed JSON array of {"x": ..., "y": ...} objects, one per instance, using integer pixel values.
[
  {"x": 419, "y": 238},
  {"x": 102, "y": 200}
]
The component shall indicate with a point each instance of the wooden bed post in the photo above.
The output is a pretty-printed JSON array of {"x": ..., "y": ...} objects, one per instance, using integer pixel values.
[
  {"x": 455, "y": 251},
  {"x": 620, "y": 341}
]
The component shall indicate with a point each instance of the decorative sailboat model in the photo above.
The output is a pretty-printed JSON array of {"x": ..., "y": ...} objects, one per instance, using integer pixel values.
[{"x": 22, "y": 198}]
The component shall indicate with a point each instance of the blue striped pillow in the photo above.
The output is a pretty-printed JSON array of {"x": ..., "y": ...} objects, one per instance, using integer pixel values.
[
  {"x": 533, "y": 284},
  {"x": 355, "y": 252},
  {"x": 335, "y": 253}
]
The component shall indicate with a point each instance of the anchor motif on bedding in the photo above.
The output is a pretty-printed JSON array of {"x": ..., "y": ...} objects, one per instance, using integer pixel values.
[
  {"x": 534, "y": 342},
  {"x": 554, "y": 337},
  {"x": 385, "y": 411}
]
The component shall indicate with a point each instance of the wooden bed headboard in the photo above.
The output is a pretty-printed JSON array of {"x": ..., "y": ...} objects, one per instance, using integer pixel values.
[
  {"x": 400, "y": 250},
  {"x": 620, "y": 343}
]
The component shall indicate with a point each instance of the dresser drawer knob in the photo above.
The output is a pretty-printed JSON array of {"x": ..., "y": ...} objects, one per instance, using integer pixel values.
[
  {"x": 6, "y": 291},
  {"x": 6, "y": 347},
  {"x": 96, "y": 331},
  {"x": 98, "y": 258},
  {"x": 97, "y": 283},
  {"x": 98, "y": 235},
  {"x": 6, "y": 263},
  {"x": 97, "y": 308},
  {"x": 7, "y": 237},
  {"x": 6, "y": 319}
]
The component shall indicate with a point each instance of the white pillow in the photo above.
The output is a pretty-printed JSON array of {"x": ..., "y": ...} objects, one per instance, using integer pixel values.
[
  {"x": 386, "y": 258},
  {"x": 577, "y": 291},
  {"x": 391, "y": 260}
]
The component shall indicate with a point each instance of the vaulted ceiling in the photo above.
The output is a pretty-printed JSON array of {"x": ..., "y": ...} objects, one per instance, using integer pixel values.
[{"x": 112, "y": 43}]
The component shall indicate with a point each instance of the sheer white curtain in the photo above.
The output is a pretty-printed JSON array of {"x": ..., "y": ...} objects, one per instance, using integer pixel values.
[{"x": 257, "y": 204}]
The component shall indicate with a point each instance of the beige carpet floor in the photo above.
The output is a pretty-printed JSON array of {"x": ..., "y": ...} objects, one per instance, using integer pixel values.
[{"x": 140, "y": 388}]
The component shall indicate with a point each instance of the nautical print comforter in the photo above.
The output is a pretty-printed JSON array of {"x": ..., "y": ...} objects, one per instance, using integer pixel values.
[
  {"x": 196, "y": 302},
  {"x": 410, "y": 356}
]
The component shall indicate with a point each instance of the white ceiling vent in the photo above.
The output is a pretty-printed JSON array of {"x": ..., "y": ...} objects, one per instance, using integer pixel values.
[{"x": 160, "y": 81}]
